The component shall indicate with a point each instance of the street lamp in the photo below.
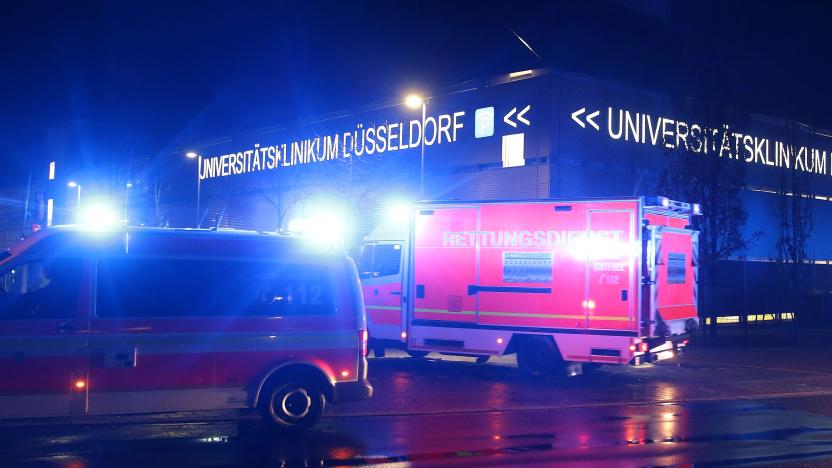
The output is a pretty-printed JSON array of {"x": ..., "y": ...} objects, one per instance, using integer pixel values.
[
  {"x": 414, "y": 101},
  {"x": 195, "y": 155},
  {"x": 77, "y": 187},
  {"x": 127, "y": 187}
]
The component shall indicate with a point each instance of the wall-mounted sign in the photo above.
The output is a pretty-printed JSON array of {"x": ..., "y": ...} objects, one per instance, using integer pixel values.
[
  {"x": 364, "y": 140},
  {"x": 723, "y": 141}
]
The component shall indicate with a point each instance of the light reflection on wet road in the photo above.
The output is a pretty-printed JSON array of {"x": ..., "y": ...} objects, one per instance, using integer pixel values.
[{"x": 459, "y": 413}]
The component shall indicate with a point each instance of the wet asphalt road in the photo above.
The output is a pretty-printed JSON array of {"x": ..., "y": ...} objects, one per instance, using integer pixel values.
[{"x": 716, "y": 407}]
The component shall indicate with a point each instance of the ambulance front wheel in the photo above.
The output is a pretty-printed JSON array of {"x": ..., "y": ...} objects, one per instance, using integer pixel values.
[
  {"x": 538, "y": 356},
  {"x": 414, "y": 353},
  {"x": 293, "y": 405}
]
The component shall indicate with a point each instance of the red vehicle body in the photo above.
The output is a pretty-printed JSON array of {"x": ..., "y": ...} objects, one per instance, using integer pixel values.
[
  {"x": 592, "y": 281},
  {"x": 153, "y": 320}
]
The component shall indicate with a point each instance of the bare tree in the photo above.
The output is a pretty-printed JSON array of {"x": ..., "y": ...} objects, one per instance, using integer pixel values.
[
  {"x": 716, "y": 183},
  {"x": 795, "y": 222}
]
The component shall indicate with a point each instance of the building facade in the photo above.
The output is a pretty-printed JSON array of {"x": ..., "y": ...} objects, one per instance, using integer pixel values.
[{"x": 527, "y": 135}]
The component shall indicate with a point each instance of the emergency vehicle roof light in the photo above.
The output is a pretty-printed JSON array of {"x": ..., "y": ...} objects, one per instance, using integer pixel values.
[
  {"x": 98, "y": 215},
  {"x": 400, "y": 213},
  {"x": 665, "y": 203},
  {"x": 323, "y": 228}
]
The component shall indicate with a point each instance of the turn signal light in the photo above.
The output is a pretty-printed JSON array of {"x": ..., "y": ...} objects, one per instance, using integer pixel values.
[{"x": 80, "y": 384}]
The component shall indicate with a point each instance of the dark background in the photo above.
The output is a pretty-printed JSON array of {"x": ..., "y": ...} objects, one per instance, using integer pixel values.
[{"x": 103, "y": 82}]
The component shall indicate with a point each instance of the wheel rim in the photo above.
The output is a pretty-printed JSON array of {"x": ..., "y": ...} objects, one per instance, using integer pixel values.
[{"x": 291, "y": 404}]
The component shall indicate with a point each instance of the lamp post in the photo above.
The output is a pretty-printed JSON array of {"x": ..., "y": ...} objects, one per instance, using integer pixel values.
[
  {"x": 194, "y": 155},
  {"x": 77, "y": 187},
  {"x": 127, "y": 187},
  {"x": 415, "y": 101}
]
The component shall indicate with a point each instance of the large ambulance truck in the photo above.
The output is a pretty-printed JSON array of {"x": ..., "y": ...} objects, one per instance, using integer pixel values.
[{"x": 601, "y": 281}]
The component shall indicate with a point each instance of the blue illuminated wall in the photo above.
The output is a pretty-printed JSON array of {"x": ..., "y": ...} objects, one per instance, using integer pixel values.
[{"x": 579, "y": 137}]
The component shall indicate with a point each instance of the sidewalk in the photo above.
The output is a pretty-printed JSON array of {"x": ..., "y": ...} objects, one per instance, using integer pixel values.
[
  {"x": 784, "y": 335},
  {"x": 803, "y": 358}
]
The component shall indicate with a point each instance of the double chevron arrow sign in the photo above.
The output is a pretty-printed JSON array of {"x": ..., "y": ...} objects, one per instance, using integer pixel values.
[
  {"x": 519, "y": 116},
  {"x": 589, "y": 117}
]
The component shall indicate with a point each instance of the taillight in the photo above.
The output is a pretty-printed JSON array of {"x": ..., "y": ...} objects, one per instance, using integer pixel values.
[
  {"x": 643, "y": 347},
  {"x": 365, "y": 338}
]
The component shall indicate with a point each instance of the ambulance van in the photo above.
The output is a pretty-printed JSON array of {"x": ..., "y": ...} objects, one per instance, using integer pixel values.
[
  {"x": 141, "y": 320},
  {"x": 610, "y": 281}
]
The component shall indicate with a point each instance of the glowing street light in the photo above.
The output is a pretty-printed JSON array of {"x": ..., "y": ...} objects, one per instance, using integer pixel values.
[
  {"x": 195, "y": 155},
  {"x": 415, "y": 101},
  {"x": 77, "y": 187}
]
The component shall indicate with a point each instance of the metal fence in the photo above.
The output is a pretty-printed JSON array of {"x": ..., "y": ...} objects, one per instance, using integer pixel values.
[{"x": 747, "y": 299}]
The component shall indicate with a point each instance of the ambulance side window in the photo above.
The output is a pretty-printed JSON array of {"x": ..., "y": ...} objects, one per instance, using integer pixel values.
[
  {"x": 387, "y": 259},
  {"x": 365, "y": 262},
  {"x": 169, "y": 288},
  {"x": 42, "y": 289}
]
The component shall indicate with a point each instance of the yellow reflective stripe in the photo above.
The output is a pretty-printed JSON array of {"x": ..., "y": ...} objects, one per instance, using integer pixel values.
[
  {"x": 527, "y": 314},
  {"x": 616, "y": 318},
  {"x": 383, "y": 307},
  {"x": 443, "y": 311}
]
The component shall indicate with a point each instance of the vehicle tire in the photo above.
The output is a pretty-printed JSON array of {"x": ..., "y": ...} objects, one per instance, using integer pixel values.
[
  {"x": 292, "y": 405},
  {"x": 482, "y": 359},
  {"x": 539, "y": 357},
  {"x": 414, "y": 353}
]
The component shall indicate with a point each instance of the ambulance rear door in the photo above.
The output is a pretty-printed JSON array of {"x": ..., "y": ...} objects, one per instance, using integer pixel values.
[{"x": 674, "y": 272}]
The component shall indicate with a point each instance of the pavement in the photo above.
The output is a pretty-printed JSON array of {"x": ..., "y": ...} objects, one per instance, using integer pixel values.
[{"x": 715, "y": 406}]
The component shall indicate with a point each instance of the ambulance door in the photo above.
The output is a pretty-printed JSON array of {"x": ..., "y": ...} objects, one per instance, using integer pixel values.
[
  {"x": 44, "y": 305},
  {"x": 445, "y": 245},
  {"x": 380, "y": 269},
  {"x": 674, "y": 280},
  {"x": 611, "y": 267}
]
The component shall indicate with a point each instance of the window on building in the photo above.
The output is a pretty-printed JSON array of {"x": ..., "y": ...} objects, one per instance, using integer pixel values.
[
  {"x": 513, "y": 150},
  {"x": 209, "y": 288},
  {"x": 50, "y": 211},
  {"x": 44, "y": 289}
]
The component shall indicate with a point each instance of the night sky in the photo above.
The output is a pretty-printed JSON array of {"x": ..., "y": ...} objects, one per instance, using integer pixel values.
[{"x": 102, "y": 82}]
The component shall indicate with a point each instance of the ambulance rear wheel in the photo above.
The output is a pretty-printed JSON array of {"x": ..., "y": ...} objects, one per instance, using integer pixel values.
[
  {"x": 539, "y": 357},
  {"x": 293, "y": 405},
  {"x": 416, "y": 353}
]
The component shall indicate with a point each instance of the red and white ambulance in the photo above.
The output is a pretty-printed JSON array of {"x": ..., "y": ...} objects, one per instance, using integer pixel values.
[
  {"x": 141, "y": 320},
  {"x": 609, "y": 281}
]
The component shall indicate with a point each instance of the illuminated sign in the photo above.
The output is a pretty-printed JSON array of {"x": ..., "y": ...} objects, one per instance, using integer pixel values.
[
  {"x": 722, "y": 141},
  {"x": 364, "y": 140},
  {"x": 484, "y": 119}
]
